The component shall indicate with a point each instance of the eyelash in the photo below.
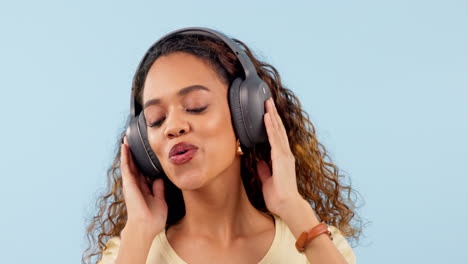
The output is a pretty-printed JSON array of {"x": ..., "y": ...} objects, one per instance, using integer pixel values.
[{"x": 195, "y": 110}]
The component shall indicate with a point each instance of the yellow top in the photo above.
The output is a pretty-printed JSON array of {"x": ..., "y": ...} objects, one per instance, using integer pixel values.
[{"x": 282, "y": 250}]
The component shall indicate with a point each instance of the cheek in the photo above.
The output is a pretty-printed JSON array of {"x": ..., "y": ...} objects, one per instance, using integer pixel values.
[
  {"x": 218, "y": 124},
  {"x": 218, "y": 137},
  {"x": 153, "y": 138}
]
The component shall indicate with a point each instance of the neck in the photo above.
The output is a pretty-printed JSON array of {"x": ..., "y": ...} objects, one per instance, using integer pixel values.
[{"x": 221, "y": 209}]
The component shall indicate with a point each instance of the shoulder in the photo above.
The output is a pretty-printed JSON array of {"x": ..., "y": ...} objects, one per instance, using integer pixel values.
[
  {"x": 160, "y": 251},
  {"x": 342, "y": 245},
  {"x": 109, "y": 255}
]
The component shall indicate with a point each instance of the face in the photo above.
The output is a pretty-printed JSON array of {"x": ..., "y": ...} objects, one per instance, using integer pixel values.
[{"x": 199, "y": 116}]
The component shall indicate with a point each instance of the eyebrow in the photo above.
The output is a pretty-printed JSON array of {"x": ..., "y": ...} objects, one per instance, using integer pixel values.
[{"x": 181, "y": 92}]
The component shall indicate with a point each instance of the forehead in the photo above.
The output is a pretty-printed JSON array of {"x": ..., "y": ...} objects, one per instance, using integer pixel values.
[{"x": 170, "y": 73}]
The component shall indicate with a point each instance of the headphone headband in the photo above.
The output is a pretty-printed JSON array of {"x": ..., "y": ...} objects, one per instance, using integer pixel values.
[{"x": 247, "y": 65}]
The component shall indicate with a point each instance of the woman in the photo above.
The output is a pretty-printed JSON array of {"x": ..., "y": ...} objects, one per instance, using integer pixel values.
[{"x": 216, "y": 200}]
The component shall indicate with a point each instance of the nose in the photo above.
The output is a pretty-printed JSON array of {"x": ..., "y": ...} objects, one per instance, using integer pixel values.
[{"x": 175, "y": 126}]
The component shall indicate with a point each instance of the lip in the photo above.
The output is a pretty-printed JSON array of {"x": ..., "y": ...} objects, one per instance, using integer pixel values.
[
  {"x": 180, "y": 147},
  {"x": 183, "y": 158}
]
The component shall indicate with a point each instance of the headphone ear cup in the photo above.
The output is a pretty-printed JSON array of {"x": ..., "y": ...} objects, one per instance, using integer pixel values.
[
  {"x": 252, "y": 96},
  {"x": 236, "y": 112},
  {"x": 143, "y": 156},
  {"x": 150, "y": 161},
  {"x": 247, "y": 102}
]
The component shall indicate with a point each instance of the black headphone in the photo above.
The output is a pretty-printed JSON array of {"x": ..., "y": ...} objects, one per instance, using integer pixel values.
[{"x": 246, "y": 102}]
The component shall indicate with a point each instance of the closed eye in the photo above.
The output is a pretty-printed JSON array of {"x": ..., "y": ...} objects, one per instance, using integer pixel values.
[{"x": 195, "y": 110}]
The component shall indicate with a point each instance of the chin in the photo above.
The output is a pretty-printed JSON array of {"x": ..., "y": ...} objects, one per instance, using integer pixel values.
[{"x": 189, "y": 181}]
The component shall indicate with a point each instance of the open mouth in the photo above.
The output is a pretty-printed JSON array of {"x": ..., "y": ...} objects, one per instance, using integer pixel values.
[
  {"x": 182, "y": 152},
  {"x": 182, "y": 157}
]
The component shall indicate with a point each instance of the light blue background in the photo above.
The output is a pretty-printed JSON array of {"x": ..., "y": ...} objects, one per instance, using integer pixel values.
[{"x": 384, "y": 82}]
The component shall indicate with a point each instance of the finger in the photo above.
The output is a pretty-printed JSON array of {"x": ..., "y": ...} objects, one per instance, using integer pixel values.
[
  {"x": 127, "y": 180},
  {"x": 143, "y": 183},
  {"x": 128, "y": 155},
  {"x": 279, "y": 123},
  {"x": 270, "y": 110},
  {"x": 282, "y": 137},
  {"x": 158, "y": 204},
  {"x": 158, "y": 188},
  {"x": 140, "y": 179},
  {"x": 263, "y": 171},
  {"x": 273, "y": 136},
  {"x": 276, "y": 123}
]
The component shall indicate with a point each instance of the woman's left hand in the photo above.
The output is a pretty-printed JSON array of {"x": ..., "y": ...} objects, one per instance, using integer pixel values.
[{"x": 279, "y": 188}]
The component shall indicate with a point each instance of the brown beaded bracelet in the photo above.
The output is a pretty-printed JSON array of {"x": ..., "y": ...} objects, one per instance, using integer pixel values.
[{"x": 306, "y": 237}]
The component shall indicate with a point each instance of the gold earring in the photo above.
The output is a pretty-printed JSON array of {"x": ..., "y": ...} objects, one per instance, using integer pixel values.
[{"x": 239, "y": 149}]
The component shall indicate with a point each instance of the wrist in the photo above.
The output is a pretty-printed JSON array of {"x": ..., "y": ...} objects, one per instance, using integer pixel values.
[
  {"x": 293, "y": 206},
  {"x": 135, "y": 243},
  {"x": 135, "y": 231},
  {"x": 299, "y": 216}
]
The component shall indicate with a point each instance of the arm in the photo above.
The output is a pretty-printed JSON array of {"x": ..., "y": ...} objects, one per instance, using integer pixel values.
[
  {"x": 134, "y": 246},
  {"x": 281, "y": 195},
  {"x": 147, "y": 213},
  {"x": 299, "y": 217}
]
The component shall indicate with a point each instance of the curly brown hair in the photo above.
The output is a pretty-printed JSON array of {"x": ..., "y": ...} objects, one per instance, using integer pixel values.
[{"x": 318, "y": 179}]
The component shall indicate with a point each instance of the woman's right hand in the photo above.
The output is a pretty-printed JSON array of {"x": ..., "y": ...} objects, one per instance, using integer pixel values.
[{"x": 144, "y": 210}]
